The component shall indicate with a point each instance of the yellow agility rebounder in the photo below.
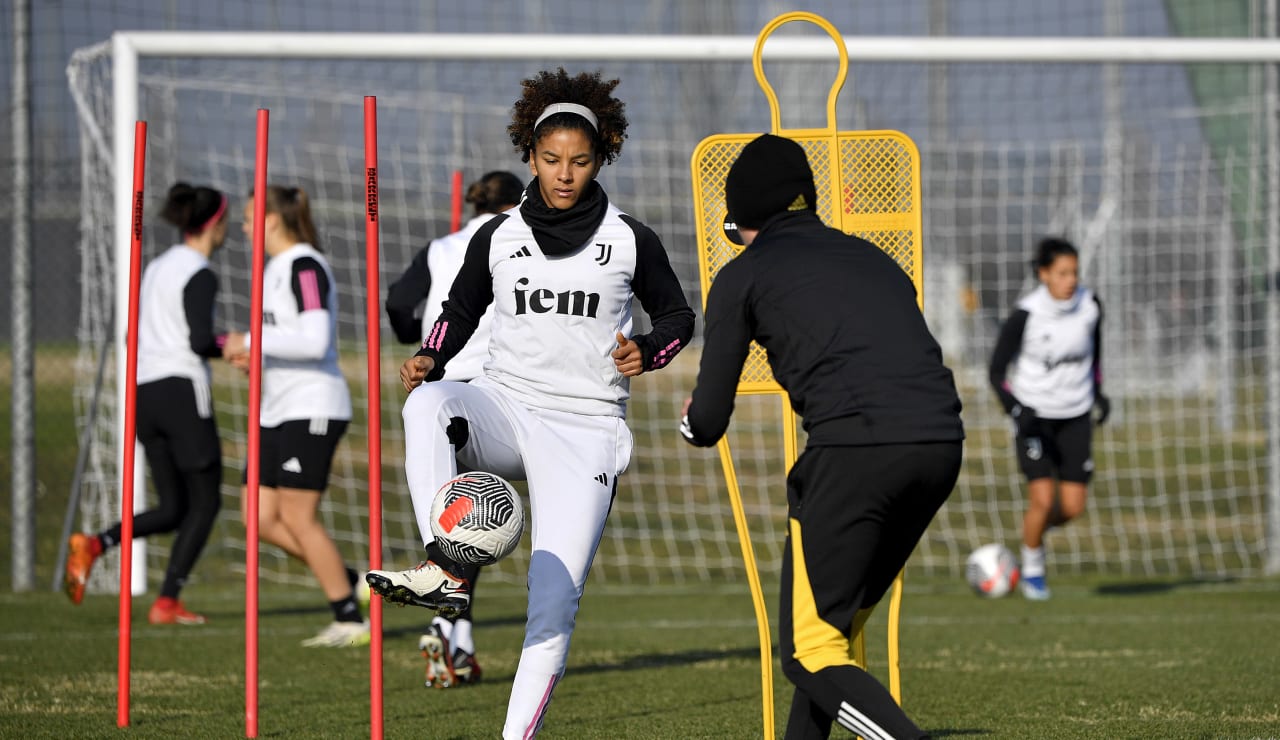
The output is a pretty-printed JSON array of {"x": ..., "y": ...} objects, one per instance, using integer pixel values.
[{"x": 868, "y": 185}]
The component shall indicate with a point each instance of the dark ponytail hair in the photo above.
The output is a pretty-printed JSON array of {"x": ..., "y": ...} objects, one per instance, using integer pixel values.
[
  {"x": 1051, "y": 249},
  {"x": 495, "y": 191},
  {"x": 294, "y": 209},
  {"x": 192, "y": 208}
]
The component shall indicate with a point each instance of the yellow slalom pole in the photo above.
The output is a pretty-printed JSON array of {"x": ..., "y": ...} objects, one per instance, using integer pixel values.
[
  {"x": 895, "y": 612},
  {"x": 753, "y": 580}
]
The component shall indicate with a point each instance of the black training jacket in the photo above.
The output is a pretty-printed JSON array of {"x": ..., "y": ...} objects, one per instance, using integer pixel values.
[{"x": 844, "y": 336}]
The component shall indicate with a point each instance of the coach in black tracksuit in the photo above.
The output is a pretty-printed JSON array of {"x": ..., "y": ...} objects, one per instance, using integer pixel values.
[{"x": 846, "y": 340}]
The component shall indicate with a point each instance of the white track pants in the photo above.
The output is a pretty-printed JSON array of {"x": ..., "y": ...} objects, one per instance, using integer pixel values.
[{"x": 571, "y": 463}]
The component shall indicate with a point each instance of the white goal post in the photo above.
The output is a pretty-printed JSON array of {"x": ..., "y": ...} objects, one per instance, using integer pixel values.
[{"x": 1188, "y": 475}]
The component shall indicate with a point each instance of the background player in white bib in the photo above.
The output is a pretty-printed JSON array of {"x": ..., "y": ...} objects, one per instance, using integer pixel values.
[
  {"x": 562, "y": 272},
  {"x": 1047, "y": 371},
  {"x": 174, "y": 408},
  {"x": 305, "y": 404},
  {"x": 414, "y": 302}
]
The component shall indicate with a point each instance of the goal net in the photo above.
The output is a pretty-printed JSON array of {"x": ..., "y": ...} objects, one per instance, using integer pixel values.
[{"x": 1159, "y": 171}]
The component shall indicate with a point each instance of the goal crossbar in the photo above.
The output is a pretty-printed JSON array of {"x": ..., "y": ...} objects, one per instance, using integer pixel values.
[{"x": 690, "y": 47}]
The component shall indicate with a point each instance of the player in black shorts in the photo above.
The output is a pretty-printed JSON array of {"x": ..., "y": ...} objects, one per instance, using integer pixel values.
[
  {"x": 305, "y": 405},
  {"x": 1046, "y": 370}
]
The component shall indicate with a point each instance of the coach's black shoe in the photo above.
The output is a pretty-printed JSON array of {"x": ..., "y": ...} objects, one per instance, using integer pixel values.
[{"x": 427, "y": 585}]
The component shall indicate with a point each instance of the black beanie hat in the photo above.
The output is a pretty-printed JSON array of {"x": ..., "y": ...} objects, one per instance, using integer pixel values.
[{"x": 771, "y": 175}]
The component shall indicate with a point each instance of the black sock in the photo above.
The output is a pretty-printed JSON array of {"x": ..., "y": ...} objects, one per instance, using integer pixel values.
[
  {"x": 353, "y": 577},
  {"x": 346, "y": 610},
  {"x": 469, "y": 573},
  {"x": 437, "y": 556},
  {"x": 107, "y": 541}
]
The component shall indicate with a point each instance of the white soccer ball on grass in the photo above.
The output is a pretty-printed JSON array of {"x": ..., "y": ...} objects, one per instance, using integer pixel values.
[{"x": 992, "y": 571}]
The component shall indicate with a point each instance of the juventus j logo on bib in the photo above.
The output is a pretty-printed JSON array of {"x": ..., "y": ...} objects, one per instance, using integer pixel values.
[{"x": 606, "y": 253}]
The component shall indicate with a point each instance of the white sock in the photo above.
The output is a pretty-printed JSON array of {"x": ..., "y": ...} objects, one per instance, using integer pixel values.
[
  {"x": 446, "y": 627},
  {"x": 1032, "y": 561},
  {"x": 462, "y": 637}
]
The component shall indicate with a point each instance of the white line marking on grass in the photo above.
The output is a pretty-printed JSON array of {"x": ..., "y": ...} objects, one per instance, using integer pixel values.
[{"x": 1196, "y": 618}]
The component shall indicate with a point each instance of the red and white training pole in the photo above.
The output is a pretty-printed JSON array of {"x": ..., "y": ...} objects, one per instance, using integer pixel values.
[
  {"x": 373, "y": 351},
  {"x": 130, "y": 424},
  {"x": 455, "y": 203},
  {"x": 253, "y": 472}
]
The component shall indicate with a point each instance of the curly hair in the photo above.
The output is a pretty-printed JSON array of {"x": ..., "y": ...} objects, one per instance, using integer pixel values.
[{"x": 587, "y": 89}]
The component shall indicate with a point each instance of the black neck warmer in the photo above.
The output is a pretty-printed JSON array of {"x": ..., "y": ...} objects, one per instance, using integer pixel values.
[{"x": 562, "y": 231}]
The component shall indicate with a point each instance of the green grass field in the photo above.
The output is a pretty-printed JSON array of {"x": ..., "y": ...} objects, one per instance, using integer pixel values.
[
  {"x": 1103, "y": 659},
  {"x": 1107, "y": 658}
]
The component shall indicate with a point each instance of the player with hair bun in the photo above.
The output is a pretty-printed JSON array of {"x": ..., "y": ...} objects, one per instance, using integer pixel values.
[
  {"x": 1052, "y": 342},
  {"x": 413, "y": 305},
  {"x": 561, "y": 272},
  {"x": 415, "y": 299},
  {"x": 175, "y": 422}
]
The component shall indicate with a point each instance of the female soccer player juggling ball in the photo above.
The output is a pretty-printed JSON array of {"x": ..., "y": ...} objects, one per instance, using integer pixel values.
[
  {"x": 561, "y": 272},
  {"x": 305, "y": 404},
  {"x": 1052, "y": 342},
  {"x": 174, "y": 406}
]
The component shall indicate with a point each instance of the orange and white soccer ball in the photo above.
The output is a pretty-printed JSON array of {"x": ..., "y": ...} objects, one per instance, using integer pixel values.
[
  {"x": 477, "y": 518},
  {"x": 992, "y": 571}
]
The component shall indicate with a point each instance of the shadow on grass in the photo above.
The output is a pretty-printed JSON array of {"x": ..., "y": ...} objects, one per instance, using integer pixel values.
[
  {"x": 428, "y": 615},
  {"x": 661, "y": 660},
  {"x": 1146, "y": 588},
  {"x": 293, "y": 611},
  {"x": 516, "y": 620}
]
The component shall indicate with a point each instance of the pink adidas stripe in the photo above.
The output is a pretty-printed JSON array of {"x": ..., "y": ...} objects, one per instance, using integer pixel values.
[
  {"x": 666, "y": 354},
  {"x": 536, "y": 723},
  {"x": 436, "y": 338},
  {"x": 310, "y": 290}
]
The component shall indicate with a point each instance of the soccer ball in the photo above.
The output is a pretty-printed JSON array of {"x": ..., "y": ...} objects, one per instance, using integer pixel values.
[
  {"x": 992, "y": 571},
  {"x": 477, "y": 518}
]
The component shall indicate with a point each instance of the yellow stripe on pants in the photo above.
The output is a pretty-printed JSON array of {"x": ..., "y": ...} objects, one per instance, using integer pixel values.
[{"x": 818, "y": 645}]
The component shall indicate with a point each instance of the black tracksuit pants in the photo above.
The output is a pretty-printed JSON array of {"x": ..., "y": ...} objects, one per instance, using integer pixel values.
[
  {"x": 855, "y": 515},
  {"x": 185, "y": 457}
]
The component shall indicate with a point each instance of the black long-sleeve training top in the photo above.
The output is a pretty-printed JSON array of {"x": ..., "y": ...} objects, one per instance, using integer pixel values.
[
  {"x": 844, "y": 336},
  {"x": 405, "y": 296}
]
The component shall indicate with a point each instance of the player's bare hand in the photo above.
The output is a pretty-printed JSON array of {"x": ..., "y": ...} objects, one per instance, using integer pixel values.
[
  {"x": 415, "y": 370},
  {"x": 627, "y": 357},
  {"x": 237, "y": 343}
]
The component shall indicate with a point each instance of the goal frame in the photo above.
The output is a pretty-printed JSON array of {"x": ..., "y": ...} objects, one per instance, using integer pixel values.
[{"x": 128, "y": 47}]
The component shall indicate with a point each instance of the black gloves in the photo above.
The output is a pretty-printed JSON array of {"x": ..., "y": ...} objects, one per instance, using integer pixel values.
[{"x": 1103, "y": 404}]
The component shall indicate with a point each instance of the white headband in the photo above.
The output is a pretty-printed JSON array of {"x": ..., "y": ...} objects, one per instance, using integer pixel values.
[{"x": 580, "y": 110}]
